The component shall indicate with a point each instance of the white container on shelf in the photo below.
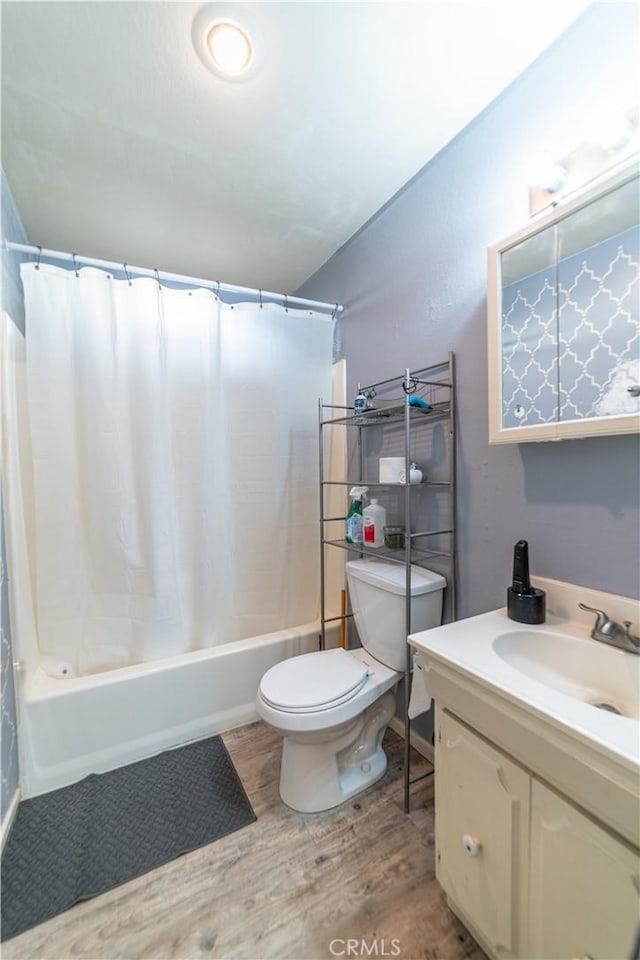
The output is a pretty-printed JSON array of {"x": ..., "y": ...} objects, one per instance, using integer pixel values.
[
  {"x": 374, "y": 519},
  {"x": 390, "y": 469},
  {"x": 415, "y": 475}
]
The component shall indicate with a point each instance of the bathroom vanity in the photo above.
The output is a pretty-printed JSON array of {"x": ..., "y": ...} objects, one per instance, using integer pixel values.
[{"x": 537, "y": 779}]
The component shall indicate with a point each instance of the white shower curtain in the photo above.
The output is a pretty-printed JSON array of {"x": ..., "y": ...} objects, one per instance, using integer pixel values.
[{"x": 174, "y": 443}]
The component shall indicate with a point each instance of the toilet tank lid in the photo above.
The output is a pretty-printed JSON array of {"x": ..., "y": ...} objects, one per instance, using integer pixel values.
[{"x": 393, "y": 576}]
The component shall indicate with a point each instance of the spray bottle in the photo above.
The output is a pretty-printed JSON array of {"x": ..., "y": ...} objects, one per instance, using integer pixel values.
[{"x": 354, "y": 516}]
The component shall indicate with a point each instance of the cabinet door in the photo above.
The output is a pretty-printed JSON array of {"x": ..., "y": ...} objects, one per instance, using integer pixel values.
[
  {"x": 482, "y": 821},
  {"x": 563, "y": 318},
  {"x": 584, "y": 884}
]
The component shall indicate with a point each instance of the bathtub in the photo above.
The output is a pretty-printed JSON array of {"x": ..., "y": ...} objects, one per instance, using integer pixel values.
[{"x": 72, "y": 727}]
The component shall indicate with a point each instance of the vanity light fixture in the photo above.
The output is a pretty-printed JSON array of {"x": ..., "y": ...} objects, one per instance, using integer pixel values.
[
  {"x": 542, "y": 172},
  {"x": 612, "y": 137},
  {"x": 609, "y": 128},
  {"x": 227, "y": 41}
]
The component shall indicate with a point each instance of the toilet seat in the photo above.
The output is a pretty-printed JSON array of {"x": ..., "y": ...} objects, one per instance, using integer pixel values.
[{"x": 314, "y": 681}]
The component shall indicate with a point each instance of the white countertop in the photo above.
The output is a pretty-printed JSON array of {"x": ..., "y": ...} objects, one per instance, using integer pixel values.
[{"x": 467, "y": 647}]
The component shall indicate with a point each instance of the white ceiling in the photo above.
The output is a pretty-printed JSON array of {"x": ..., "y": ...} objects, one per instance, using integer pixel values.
[{"x": 119, "y": 144}]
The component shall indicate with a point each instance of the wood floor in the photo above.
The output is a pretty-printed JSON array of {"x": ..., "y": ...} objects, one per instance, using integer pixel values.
[{"x": 289, "y": 887}]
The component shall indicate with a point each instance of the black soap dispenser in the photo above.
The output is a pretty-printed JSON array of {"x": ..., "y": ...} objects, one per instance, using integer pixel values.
[{"x": 525, "y": 604}]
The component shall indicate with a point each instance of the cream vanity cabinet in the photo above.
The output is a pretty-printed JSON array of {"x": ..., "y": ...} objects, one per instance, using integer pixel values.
[
  {"x": 530, "y": 874},
  {"x": 482, "y": 823},
  {"x": 583, "y": 883}
]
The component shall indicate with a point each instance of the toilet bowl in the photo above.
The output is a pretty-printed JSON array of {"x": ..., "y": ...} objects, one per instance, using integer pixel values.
[
  {"x": 331, "y": 750},
  {"x": 332, "y": 707}
]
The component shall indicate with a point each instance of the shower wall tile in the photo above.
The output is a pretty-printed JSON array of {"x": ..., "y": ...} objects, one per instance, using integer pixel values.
[{"x": 13, "y": 303}]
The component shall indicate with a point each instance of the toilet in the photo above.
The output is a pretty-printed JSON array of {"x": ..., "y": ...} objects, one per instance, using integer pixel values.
[{"x": 332, "y": 707}]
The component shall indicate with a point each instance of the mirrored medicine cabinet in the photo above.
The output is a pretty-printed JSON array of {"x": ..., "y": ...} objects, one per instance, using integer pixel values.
[{"x": 563, "y": 318}]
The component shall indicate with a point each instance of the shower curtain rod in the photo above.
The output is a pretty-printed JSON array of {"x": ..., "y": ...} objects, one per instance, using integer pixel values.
[{"x": 288, "y": 301}]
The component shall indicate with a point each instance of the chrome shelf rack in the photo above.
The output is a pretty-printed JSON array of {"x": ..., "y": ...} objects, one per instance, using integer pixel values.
[{"x": 439, "y": 382}]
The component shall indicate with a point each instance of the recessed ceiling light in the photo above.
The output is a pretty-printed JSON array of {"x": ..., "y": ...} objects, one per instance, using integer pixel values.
[
  {"x": 230, "y": 47},
  {"x": 227, "y": 41}
]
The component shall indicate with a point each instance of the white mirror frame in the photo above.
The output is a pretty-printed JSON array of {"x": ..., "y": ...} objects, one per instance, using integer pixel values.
[{"x": 556, "y": 430}]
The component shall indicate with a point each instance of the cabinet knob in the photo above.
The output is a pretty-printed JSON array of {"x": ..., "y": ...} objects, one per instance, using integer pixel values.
[{"x": 471, "y": 844}]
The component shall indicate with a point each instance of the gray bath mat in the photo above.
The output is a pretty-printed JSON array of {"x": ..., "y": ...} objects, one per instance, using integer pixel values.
[{"x": 75, "y": 843}]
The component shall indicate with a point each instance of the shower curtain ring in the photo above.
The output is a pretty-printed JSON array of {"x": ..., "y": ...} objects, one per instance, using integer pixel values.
[
  {"x": 286, "y": 303},
  {"x": 218, "y": 290},
  {"x": 260, "y": 292},
  {"x": 127, "y": 274},
  {"x": 158, "y": 278},
  {"x": 75, "y": 265},
  {"x": 38, "y": 260},
  {"x": 335, "y": 310}
]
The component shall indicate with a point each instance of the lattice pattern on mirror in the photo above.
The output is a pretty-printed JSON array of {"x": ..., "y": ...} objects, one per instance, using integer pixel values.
[{"x": 571, "y": 336}]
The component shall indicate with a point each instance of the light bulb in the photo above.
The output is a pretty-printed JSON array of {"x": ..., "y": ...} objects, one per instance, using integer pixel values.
[
  {"x": 543, "y": 172},
  {"x": 228, "y": 40},
  {"x": 230, "y": 47},
  {"x": 609, "y": 128}
]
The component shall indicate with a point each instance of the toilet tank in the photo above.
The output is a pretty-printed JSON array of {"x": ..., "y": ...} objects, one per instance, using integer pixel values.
[{"x": 378, "y": 590}]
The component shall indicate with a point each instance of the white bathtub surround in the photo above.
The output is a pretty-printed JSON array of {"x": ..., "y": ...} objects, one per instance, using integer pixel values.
[
  {"x": 174, "y": 451},
  {"x": 70, "y": 728},
  {"x": 537, "y": 800}
]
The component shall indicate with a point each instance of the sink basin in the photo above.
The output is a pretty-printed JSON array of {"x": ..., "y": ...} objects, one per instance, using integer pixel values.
[{"x": 584, "y": 669}]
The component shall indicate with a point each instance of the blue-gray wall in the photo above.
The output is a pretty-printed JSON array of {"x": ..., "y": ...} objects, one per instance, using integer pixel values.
[
  {"x": 13, "y": 303},
  {"x": 413, "y": 282}
]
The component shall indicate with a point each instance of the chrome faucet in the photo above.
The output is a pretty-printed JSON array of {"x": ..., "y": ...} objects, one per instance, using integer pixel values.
[{"x": 608, "y": 631}]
